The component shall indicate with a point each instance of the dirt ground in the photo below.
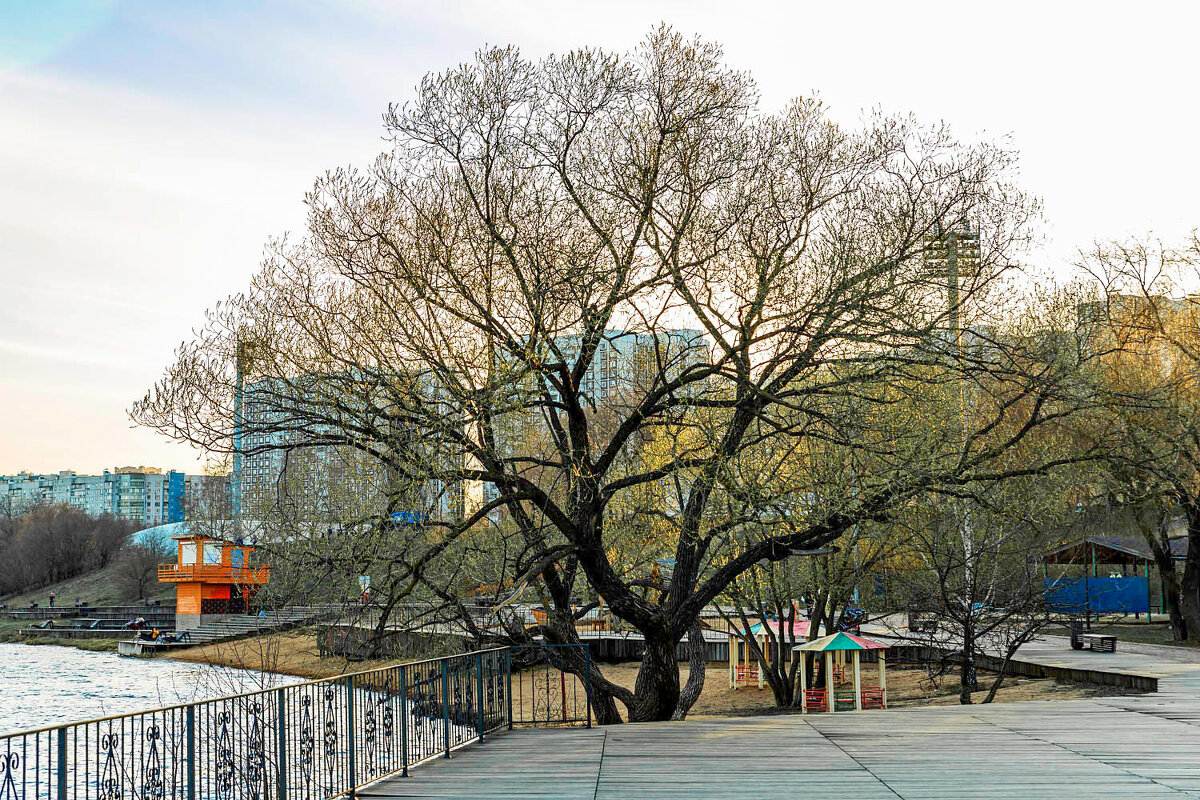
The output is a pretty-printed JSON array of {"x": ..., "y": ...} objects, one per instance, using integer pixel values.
[
  {"x": 292, "y": 653},
  {"x": 295, "y": 653},
  {"x": 907, "y": 686}
]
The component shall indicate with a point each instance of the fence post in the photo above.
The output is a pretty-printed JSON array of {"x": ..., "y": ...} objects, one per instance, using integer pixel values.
[
  {"x": 587, "y": 682},
  {"x": 350, "y": 731},
  {"x": 446, "y": 702},
  {"x": 479, "y": 691},
  {"x": 404, "y": 721},
  {"x": 191, "y": 752},
  {"x": 62, "y": 764},
  {"x": 508, "y": 679},
  {"x": 281, "y": 744}
]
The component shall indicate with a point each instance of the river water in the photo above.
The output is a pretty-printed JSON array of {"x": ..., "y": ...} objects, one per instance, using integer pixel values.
[{"x": 46, "y": 685}]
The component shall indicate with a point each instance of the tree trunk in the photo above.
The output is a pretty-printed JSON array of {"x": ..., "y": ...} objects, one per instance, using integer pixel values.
[
  {"x": 966, "y": 676},
  {"x": 656, "y": 693},
  {"x": 1189, "y": 590},
  {"x": 604, "y": 705},
  {"x": 1161, "y": 548},
  {"x": 696, "y": 665}
]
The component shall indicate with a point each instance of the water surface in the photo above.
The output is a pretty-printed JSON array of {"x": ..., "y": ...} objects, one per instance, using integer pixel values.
[{"x": 43, "y": 685}]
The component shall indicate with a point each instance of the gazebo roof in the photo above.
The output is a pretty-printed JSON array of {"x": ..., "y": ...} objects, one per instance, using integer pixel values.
[
  {"x": 799, "y": 628},
  {"x": 840, "y": 641},
  {"x": 1110, "y": 550}
]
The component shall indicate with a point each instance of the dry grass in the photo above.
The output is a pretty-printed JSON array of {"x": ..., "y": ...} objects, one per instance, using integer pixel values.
[
  {"x": 101, "y": 587},
  {"x": 295, "y": 653},
  {"x": 291, "y": 653}
]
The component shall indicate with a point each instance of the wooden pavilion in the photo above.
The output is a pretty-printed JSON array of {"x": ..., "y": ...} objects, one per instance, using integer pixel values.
[
  {"x": 828, "y": 699},
  {"x": 744, "y": 668},
  {"x": 213, "y": 578}
]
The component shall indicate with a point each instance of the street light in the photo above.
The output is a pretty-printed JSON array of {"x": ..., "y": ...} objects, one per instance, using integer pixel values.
[
  {"x": 801, "y": 551},
  {"x": 820, "y": 551}
]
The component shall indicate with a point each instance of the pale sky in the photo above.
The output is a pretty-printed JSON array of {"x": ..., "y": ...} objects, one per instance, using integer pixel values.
[{"x": 149, "y": 149}]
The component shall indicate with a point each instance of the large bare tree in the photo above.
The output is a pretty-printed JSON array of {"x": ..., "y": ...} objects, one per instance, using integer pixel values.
[{"x": 443, "y": 314}]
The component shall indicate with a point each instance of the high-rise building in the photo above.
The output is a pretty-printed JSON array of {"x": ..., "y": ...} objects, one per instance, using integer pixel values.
[
  {"x": 280, "y": 462},
  {"x": 626, "y": 361},
  {"x": 144, "y": 495}
]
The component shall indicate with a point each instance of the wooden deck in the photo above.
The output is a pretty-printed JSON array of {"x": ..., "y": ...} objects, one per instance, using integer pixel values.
[{"x": 1128, "y": 747}]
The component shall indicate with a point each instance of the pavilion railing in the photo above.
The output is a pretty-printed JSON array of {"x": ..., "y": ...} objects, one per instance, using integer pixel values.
[{"x": 307, "y": 741}]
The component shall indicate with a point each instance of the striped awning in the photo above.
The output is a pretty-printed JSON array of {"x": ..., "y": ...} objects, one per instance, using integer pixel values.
[{"x": 840, "y": 641}]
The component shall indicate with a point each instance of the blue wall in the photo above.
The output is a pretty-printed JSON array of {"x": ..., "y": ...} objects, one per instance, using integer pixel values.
[{"x": 1097, "y": 595}]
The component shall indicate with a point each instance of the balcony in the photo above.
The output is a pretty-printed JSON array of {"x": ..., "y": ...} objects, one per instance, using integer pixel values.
[{"x": 214, "y": 573}]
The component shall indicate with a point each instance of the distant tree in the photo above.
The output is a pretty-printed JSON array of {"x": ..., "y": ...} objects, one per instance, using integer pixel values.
[
  {"x": 51, "y": 543},
  {"x": 137, "y": 568}
]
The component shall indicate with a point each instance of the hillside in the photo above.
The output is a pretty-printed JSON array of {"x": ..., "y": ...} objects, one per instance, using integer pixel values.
[{"x": 97, "y": 588}]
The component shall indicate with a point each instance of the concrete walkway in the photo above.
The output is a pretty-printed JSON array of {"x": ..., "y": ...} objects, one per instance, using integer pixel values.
[{"x": 1127, "y": 747}]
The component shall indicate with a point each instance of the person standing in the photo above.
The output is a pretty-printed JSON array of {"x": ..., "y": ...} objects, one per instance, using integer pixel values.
[{"x": 52, "y": 599}]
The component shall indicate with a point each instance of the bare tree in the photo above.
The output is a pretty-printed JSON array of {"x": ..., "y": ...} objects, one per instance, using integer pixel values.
[
  {"x": 980, "y": 580},
  {"x": 528, "y": 219},
  {"x": 137, "y": 568}
]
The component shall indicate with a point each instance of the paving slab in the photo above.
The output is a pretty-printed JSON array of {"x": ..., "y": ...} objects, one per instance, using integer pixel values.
[{"x": 1143, "y": 746}]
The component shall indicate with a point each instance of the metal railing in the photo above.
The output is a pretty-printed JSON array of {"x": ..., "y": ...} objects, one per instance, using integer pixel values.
[
  {"x": 307, "y": 741},
  {"x": 543, "y": 693}
]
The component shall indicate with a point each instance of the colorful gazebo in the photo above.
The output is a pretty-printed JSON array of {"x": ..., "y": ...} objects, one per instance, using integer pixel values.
[
  {"x": 838, "y": 644},
  {"x": 743, "y": 669}
]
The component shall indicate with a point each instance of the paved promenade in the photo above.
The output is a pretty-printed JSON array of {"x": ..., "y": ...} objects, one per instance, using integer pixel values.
[{"x": 1128, "y": 747}]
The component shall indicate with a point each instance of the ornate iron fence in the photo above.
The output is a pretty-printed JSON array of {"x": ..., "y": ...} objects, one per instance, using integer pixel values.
[
  {"x": 308, "y": 741},
  {"x": 545, "y": 689}
]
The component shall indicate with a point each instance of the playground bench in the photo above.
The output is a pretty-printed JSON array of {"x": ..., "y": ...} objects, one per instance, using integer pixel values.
[{"x": 1100, "y": 642}]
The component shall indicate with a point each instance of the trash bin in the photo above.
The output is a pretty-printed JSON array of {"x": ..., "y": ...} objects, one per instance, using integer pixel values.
[{"x": 1076, "y": 632}]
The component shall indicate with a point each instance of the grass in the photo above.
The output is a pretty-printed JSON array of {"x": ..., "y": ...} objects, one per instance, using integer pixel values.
[{"x": 100, "y": 587}]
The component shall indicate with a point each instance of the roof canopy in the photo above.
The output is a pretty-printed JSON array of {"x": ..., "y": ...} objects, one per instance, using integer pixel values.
[
  {"x": 1110, "y": 550},
  {"x": 840, "y": 641},
  {"x": 799, "y": 628}
]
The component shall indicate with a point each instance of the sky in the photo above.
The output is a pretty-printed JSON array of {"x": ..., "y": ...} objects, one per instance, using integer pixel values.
[{"x": 148, "y": 150}]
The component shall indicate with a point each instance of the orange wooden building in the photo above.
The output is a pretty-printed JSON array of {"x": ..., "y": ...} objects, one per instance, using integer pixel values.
[{"x": 212, "y": 579}]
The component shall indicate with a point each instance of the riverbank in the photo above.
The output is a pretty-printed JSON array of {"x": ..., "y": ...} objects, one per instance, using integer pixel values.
[{"x": 10, "y": 633}]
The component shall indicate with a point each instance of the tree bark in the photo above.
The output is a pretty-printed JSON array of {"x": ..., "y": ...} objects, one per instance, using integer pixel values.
[
  {"x": 1189, "y": 590},
  {"x": 1160, "y": 547},
  {"x": 696, "y": 666},
  {"x": 656, "y": 693},
  {"x": 967, "y": 681}
]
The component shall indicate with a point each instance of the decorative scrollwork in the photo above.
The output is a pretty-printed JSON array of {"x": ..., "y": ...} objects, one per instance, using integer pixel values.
[
  {"x": 226, "y": 768},
  {"x": 307, "y": 740},
  {"x": 329, "y": 739},
  {"x": 542, "y": 698},
  {"x": 256, "y": 756},
  {"x": 387, "y": 716},
  {"x": 153, "y": 785},
  {"x": 10, "y": 762},
  {"x": 369, "y": 728},
  {"x": 110, "y": 774}
]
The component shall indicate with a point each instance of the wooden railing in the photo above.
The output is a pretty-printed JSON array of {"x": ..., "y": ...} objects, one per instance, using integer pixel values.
[{"x": 218, "y": 573}]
